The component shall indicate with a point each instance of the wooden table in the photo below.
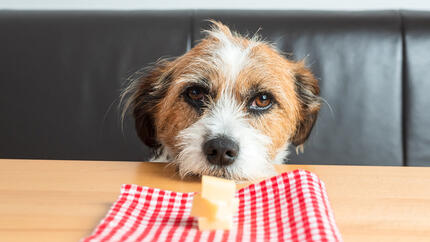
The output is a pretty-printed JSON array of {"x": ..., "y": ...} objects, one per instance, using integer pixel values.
[{"x": 51, "y": 200}]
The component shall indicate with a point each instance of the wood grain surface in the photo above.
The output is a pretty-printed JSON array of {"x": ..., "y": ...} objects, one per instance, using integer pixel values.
[{"x": 54, "y": 200}]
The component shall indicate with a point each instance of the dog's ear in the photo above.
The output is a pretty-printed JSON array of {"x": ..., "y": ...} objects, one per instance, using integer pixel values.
[
  {"x": 307, "y": 90},
  {"x": 145, "y": 93}
]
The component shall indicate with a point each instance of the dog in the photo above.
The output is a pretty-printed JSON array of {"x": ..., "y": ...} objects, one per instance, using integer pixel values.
[{"x": 229, "y": 107}]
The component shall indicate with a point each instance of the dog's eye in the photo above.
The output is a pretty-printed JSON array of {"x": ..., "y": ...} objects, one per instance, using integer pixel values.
[
  {"x": 261, "y": 102},
  {"x": 196, "y": 93},
  {"x": 196, "y": 96}
]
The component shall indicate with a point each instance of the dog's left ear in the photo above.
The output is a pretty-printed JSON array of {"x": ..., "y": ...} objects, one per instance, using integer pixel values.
[
  {"x": 307, "y": 90},
  {"x": 142, "y": 98}
]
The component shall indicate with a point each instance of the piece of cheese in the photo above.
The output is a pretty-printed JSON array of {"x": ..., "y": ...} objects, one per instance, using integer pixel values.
[
  {"x": 226, "y": 209},
  {"x": 215, "y": 209},
  {"x": 214, "y": 188},
  {"x": 222, "y": 219},
  {"x": 216, "y": 205},
  {"x": 203, "y": 207}
]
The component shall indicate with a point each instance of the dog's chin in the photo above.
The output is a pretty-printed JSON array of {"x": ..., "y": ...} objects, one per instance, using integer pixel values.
[{"x": 233, "y": 172}]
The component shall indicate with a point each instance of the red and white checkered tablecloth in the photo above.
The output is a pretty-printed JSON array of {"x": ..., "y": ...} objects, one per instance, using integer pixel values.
[{"x": 292, "y": 206}]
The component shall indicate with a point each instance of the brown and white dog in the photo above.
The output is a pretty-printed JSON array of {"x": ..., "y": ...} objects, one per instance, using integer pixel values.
[{"x": 229, "y": 107}]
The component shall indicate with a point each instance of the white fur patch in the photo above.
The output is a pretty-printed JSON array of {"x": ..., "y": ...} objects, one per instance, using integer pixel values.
[
  {"x": 225, "y": 118},
  {"x": 231, "y": 56},
  {"x": 281, "y": 154}
]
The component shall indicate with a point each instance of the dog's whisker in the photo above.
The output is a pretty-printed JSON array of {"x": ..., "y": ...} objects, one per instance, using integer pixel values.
[{"x": 329, "y": 106}]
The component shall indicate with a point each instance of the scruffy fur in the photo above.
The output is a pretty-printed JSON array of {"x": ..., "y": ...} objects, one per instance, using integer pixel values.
[{"x": 233, "y": 68}]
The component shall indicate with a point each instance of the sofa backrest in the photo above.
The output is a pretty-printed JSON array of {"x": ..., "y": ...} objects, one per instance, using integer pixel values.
[
  {"x": 416, "y": 33},
  {"x": 61, "y": 75}
]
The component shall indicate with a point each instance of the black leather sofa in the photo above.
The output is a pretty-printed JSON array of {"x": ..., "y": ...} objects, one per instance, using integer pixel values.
[{"x": 61, "y": 74}]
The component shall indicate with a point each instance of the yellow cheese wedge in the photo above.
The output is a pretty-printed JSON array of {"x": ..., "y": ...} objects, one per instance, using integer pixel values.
[
  {"x": 212, "y": 210},
  {"x": 203, "y": 207},
  {"x": 226, "y": 209},
  {"x": 214, "y": 188},
  {"x": 216, "y": 205}
]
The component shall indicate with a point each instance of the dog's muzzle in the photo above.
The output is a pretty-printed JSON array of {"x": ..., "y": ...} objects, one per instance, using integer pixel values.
[{"x": 221, "y": 151}]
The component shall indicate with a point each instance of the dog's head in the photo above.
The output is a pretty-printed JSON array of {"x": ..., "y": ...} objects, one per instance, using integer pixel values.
[{"x": 228, "y": 107}]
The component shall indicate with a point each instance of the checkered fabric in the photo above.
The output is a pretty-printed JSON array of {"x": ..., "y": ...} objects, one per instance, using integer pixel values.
[{"x": 289, "y": 207}]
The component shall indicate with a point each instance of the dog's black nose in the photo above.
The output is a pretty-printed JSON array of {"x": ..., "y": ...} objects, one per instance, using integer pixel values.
[{"x": 221, "y": 151}]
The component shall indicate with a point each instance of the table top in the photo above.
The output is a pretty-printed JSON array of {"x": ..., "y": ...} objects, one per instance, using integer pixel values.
[{"x": 53, "y": 200}]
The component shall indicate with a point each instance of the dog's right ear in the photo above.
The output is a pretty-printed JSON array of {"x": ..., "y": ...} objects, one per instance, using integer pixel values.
[
  {"x": 144, "y": 93},
  {"x": 308, "y": 94}
]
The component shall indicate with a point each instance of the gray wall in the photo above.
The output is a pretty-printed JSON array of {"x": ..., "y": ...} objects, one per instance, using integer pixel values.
[{"x": 219, "y": 4}]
